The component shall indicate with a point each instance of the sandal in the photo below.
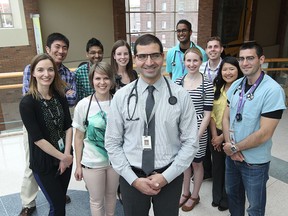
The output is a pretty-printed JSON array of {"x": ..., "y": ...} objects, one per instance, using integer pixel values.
[
  {"x": 185, "y": 200},
  {"x": 189, "y": 208}
]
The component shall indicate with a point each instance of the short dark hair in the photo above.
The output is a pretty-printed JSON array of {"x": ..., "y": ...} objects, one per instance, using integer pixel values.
[
  {"x": 186, "y": 22},
  {"x": 214, "y": 38},
  {"x": 253, "y": 45},
  {"x": 147, "y": 39},
  {"x": 94, "y": 42},
  {"x": 56, "y": 36}
]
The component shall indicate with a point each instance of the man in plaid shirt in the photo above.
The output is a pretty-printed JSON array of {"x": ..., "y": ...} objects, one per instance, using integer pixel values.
[
  {"x": 57, "y": 46},
  {"x": 94, "y": 52}
]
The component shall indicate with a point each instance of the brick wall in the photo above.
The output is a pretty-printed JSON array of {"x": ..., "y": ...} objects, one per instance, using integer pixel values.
[{"x": 204, "y": 21}]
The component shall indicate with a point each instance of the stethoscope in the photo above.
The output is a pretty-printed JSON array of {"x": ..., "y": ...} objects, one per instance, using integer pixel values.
[
  {"x": 203, "y": 89},
  {"x": 172, "y": 100},
  {"x": 179, "y": 54},
  {"x": 249, "y": 95}
]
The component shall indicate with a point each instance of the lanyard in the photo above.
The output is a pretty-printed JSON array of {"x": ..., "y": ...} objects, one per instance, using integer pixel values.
[
  {"x": 182, "y": 63},
  {"x": 249, "y": 95},
  {"x": 209, "y": 73},
  {"x": 102, "y": 112},
  {"x": 54, "y": 119}
]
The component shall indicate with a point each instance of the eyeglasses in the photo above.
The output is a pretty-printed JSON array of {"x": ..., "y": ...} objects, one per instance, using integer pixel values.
[
  {"x": 94, "y": 53},
  {"x": 153, "y": 56},
  {"x": 249, "y": 59},
  {"x": 178, "y": 31}
]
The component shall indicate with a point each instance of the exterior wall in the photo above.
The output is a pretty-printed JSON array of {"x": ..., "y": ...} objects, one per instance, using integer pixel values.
[{"x": 205, "y": 21}]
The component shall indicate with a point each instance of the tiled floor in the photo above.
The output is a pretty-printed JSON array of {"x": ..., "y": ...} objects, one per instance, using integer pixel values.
[{"x": 12, "y": 167}]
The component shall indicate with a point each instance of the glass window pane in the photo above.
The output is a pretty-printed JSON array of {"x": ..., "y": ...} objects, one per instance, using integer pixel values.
[
  {"x": 167, "y": 39},
  {"x": 165, "y": 17},
  {"x": 165, "y": 6},
  {"x": 7, "y": 21},
  {"x": 5, "y": 6},
  {"x": 147, "y": 22},
  {"x": 134, "y": 5},
  {"x": 186, "y": 5}
]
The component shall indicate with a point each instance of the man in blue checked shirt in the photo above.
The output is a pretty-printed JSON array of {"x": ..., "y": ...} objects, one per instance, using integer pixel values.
[{"x": 57, "y": 46}]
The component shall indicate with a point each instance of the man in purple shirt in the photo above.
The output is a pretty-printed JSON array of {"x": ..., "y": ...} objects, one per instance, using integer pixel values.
[{"x": 57, "y": 46}]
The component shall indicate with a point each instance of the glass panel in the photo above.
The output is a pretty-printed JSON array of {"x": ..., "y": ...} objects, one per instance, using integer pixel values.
[
  {"x": 165, "y": 6},
  {"x": 5, "y": 6},
  {"x": 135, "y": 22},
  {"x": 134, "y": 5},
  {"x": 147, "y": 22},
  {"x": 186, "y": 5},
  {"x": 168, "y": 18},
  {"x": 7, "y": 21},
  {"x": 167, "y": 39}
]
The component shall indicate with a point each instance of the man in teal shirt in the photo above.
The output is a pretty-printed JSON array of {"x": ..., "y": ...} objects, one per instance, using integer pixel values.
[{"x": 174, "y": 60}]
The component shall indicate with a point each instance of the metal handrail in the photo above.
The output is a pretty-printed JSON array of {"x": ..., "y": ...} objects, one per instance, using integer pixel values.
[{"x": 20, "y": 74}]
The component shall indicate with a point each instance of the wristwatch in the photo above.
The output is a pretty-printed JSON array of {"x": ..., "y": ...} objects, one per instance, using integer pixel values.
[{"x": 234, "y": 148}]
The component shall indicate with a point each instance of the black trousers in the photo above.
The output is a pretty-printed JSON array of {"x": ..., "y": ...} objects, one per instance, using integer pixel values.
[
  {"x": 219, "y": 195},
  {"x": 166, "y": 203},
  {"x": 207, "y": 161},
  {"x": 54, "y": 187}
]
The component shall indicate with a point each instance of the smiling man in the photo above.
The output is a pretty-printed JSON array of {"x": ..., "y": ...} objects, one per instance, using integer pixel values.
[
  {"x": 94, "y": 53},
  {"x": 214, "y": 49},
  {"x": 151, "y": 135},
  {"x": 174, "y": 60},
  {"x": 256, "y": 103}
]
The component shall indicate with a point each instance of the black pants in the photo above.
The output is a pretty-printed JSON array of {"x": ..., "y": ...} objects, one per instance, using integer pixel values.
[
  {"x": 219, "y": 195},
  {"x": 166, "y": 203},
  {"x": 207, "y": 161},
  {"x": 54, "y": 188}
]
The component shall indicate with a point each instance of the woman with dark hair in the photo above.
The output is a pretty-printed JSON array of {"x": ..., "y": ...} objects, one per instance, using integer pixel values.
[
  {"x": 92, "y": 162},
  {"x": 229, "y": 71},
  {"x": 45, "y": 114},
  {"x": 122, "y": 64}
]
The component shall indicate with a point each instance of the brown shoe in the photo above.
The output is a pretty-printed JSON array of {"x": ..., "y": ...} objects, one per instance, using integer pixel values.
[
  {"x": 27, "y": 211},
  {"x": 185, "y": 200},
  {"x": 68, "y": 199},
  {"x": 189, "y": 208}
]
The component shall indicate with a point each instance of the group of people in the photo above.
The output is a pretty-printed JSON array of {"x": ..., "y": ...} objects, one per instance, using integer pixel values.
[{"x": 148, "y": 133}]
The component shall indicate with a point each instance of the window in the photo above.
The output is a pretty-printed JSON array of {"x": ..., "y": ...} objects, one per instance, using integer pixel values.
[
  {"x": 13, "y": 24},
  {"x": 159, "y": 17},
  {"x": 6, "y": 17}
]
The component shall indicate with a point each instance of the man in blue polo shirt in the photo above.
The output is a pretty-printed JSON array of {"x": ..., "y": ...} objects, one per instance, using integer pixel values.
[{"x": 256, "y": 103}]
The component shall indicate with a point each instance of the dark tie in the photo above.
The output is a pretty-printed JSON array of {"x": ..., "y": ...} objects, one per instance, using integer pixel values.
[{"x": 148, "y": 154}]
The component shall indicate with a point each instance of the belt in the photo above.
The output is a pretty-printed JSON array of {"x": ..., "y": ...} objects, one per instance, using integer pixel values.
[
  {"x": 86, "y": 167},
  {"x": 141, "y": 172}
]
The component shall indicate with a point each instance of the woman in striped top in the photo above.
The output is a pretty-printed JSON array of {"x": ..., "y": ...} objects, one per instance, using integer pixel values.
[{"x": 202, "y": 95}]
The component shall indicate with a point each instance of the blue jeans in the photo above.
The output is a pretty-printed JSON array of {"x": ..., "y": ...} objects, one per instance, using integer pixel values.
[{"x": 242, "y": 177}]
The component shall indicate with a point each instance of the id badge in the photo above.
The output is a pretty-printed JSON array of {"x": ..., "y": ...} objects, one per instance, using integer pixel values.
[
  {"x": 61, "y": 145},
  {"x": 146, "y": 142}
]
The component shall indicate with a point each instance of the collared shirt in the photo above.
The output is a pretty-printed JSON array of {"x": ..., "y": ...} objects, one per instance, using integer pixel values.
[
  {"x": 219, "y": 108},
  {"x": 175, "y": 61},
  {"x": 176, "y": 139},
  {"x": 66, "y": 75},
  {"x": 209, "y": 73},
  {"x": 268, "y": 97},
  {"x": 84, "y": 88}
]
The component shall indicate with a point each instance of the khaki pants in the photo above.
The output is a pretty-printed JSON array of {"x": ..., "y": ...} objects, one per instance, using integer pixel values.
[{"x": 29, "y": 186}]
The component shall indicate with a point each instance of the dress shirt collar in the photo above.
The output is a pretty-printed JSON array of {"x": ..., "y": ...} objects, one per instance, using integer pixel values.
[{"x": 142, "y": 85}]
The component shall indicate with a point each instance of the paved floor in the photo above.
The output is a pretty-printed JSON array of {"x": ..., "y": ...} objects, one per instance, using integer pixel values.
[{"x": 12, "y": 167}]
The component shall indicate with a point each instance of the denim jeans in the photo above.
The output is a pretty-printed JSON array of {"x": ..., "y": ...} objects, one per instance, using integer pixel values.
[{"x": 242, "y": 177}]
